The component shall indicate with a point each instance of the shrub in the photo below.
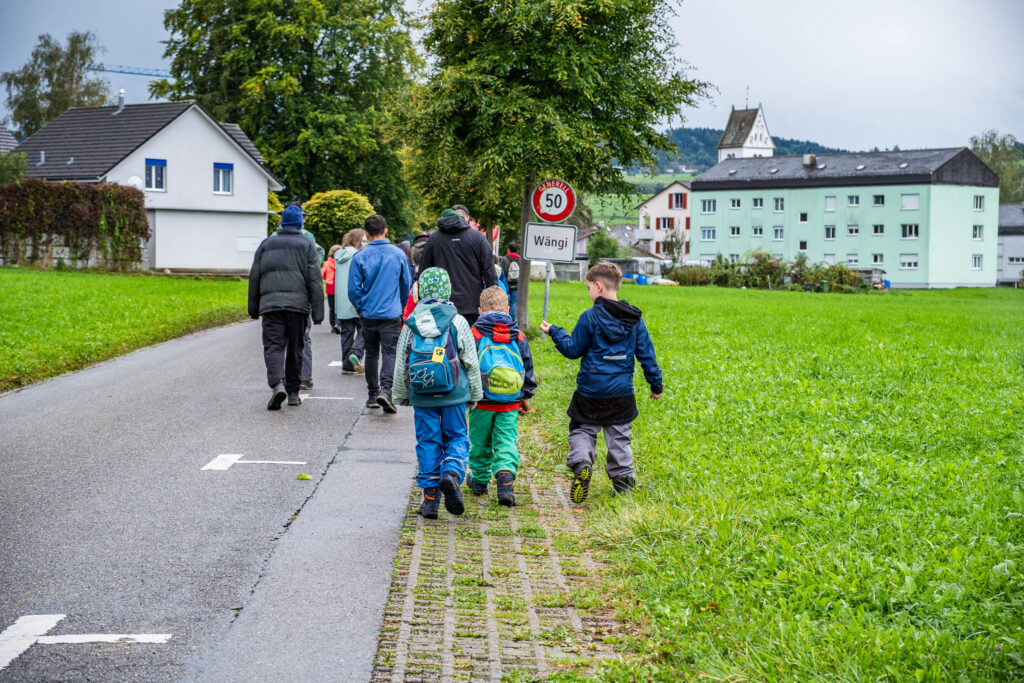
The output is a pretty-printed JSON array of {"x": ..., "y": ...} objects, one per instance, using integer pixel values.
[
  {"x": 601, "y": 245},
  {"x": 12, "y": 167},
  {"x": 690, "y": 276},
  {"x": 273, "y": 219},
  {"x": 334, "y": 213}
]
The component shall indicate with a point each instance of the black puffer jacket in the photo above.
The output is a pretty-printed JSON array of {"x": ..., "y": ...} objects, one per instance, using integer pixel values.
[
  {"x": 285, "y": 276},
  {"x": 466, "y": 255}
]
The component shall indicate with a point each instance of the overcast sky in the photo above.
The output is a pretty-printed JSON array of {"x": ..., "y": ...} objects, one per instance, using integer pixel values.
[{"x": 913, "y": 73}]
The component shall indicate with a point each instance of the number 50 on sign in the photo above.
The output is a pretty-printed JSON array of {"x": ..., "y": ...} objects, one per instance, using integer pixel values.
[{"x": 554, "y": 201}]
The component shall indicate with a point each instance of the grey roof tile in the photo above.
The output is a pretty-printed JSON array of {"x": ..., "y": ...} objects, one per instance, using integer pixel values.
[
  {"x": 737, "y": 130},
  {"x": 7, "y": 140},
  {"x": 1011, "y": 219}
]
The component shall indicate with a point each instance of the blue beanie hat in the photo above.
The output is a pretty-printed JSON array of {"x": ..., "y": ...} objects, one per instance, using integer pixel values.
[{"x": 291, "y": 217}]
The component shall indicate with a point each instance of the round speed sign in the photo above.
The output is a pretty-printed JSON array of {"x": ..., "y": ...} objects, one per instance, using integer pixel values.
[{"x": 554, "y": 201}]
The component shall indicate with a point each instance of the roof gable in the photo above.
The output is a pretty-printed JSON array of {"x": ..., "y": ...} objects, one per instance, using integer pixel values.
[
  {"x": 7, "y": 140},
  {"x": 682, "y": 183},
  {"x": 737, "y": 130}
]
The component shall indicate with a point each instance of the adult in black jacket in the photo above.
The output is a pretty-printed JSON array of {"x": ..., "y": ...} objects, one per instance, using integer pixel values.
[
  {"x": 284, "y": 288},
  {"x": 466, "y": 255}
]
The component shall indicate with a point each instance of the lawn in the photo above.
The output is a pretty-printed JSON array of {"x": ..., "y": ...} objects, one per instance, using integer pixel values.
[
  {"x": 52, "y": 322},
  {"x": 831, "y": 488},
  {"x": 614, "y": 209}
]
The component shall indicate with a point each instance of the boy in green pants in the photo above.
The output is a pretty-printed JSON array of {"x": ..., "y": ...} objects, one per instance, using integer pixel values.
[{"x": 506, "y": 370}]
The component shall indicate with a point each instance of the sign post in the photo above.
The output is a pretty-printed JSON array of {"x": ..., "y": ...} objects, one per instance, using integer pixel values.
[{"x": 553, "y": 201}]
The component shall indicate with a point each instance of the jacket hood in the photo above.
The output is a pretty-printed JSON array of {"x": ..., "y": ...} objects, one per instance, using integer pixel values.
[
  {"x": 431, "y": 317},
  {"x": 345, "y": 254},
  {"x": 420, "y": 238},
  {"x": 289, "y": 230},
  {"x": 500, "y": 324},
  {"x": 454, "y": 223},
  {"x": 616, "y": 319}
]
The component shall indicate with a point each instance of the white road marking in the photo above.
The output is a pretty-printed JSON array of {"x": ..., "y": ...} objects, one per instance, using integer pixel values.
[
  {"x": 226, "y": 460},
  {"x": 30, "y": 629},
  {"x": 325, "y": 398},
  {"x": 334, "y": 364}
]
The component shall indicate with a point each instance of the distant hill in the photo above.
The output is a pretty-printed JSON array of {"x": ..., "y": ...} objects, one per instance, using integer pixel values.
[{"x": 697, "y": 148}]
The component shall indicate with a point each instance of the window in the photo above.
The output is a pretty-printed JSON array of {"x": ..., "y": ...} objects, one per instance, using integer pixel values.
[
  {"x": 878, "y": 259},
  {"x": 852, "y": 230},
  {"x": 734, "y": 258},
  {"x": 979, "y": 202},
  {"x": 734, "y": 203},
  {"x": 734, "y": 231},
  {"x": 909, "y": 231},
  {"x": 877, "y": 229},
  {"x": 758, "y": 202},
  {"x": 830, "y": 232},
  {"x": 910, "y": 202},
  {"x": 779, "y": 205},
  {"x": 707, "y": 234},
  {"x": 852, "y": 260},
  {"x": 830, "y": 259},
  {"x": 830, "y": 203},
  {"x": 1016, "y": 260},
  {"x": 708, "y": 205},
  {"x": 879, "y": 200},
  {"x": 757, "y": 231},
  {"x": 156, "y": 174},
  {"x": 222, "y": 178},
  {"x": 976, "y": 232},
  {"x": 803, "y": 217},
  {"x": 777, "y": 235},
  {"x": 803, "y": 245},
  {"x": 976, "y": 262},
  {"x": 908, "y": 261},
  {"x": 707, "y": 259},
  {"x": 853, "y": 200},
  {"x": 677, "y": 200},
  {"x": 665, "y": 223}
]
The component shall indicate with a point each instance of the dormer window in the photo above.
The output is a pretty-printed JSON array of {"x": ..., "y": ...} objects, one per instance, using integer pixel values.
[{"x": 156, "y": 174}]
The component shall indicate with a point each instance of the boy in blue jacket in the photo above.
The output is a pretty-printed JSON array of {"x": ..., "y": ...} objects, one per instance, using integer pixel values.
[{"x": 608, "y": 336}]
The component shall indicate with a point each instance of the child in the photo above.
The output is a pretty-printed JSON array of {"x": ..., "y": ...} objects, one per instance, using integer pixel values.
[
  {"x": 349, "y": 327},
  {"x": 437, "y": 371},
  {"x": 608, "y": 336},
  {"x": 506, "y": 373},
  {"x": 327, "y": 273}
]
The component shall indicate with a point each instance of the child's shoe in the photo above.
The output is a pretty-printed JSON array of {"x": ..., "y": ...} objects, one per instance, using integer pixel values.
[
  {"x": 356, "y": 365},
  {"x": 431, "y": 501},
  {"x": 477, "y": 489},
  {"x": 623, "y": 484},
  {"x": 506, "y": 496},
  {"x": 580, "y": 483},
  {"x": 451, "y": 489}
]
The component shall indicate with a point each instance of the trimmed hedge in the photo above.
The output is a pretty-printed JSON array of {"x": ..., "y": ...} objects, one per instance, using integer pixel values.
[
  {"x": 333, "y": 213},
  {"x": 98, "y": 225}
]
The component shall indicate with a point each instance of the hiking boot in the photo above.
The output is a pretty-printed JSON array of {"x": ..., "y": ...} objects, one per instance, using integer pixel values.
[
  {"x": 580, "y": 483},
  {"x": 385, "y": 402},
  {"x": 306, "y": 385},
  {"x": 623, "y": 484},
  {"x": 293, "y": 399},
  {"x": 277, "y": 398},
  {"x": 506, "y": 496},
  {"x": 356, "y": 365},
  {"x": 372, "y": 403},
  {"x": 477, "y": 489},
  {"x": 428, "y": 508},
  {"x": 452, "y": 491}
]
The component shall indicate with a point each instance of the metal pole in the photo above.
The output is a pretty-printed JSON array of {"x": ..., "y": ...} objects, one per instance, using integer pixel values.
[{"x": 547, "y": 287}]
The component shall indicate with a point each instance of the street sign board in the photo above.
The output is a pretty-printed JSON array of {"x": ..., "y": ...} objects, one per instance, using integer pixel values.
[
  {"x": 554, "y": 201},
  {"x": 548, "y": 242}
]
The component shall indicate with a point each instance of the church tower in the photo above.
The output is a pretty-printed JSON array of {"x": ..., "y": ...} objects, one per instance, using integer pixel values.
[{"x": 746, "y": 135}]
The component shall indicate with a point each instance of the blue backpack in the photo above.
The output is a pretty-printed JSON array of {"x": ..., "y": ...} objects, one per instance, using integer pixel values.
[
  {"x": 501, "y": 367},
  {"x": 433, "y": 365}
]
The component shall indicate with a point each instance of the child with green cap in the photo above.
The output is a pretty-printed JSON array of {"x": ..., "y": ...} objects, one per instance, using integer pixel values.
[{"x": 438, "y": 373}]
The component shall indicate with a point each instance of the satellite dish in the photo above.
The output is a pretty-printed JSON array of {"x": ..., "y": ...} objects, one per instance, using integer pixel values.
[{"x": 136, "y": 182}]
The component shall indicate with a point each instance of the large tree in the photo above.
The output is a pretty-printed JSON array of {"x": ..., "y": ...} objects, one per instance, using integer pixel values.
[
  {"x": 55, "y": 79},
  {"x": 1003, "y": 155},
  {"x": 308, "y": 80},
  {"x": 520, "y": 90}
]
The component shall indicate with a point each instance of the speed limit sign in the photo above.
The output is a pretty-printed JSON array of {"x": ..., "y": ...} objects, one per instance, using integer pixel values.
[{"x": 554, "y": 201}]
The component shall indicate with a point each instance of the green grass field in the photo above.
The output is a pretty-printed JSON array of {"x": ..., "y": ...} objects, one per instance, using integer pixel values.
[
  {"x": 55, "y": 322},
  {"x": 831, "y": 488}
]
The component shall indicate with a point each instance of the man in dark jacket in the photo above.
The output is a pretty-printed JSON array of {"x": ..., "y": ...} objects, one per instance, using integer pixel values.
[
  {"x": 284, "y": 288},
  {"x": 466, "y": 255}
]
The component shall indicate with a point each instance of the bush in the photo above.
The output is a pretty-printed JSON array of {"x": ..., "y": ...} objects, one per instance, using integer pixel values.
[
  {"x": 273, "y": 219},
  {"x": 12, "y": 167},
  {"x": 690, "y": 276},
  {"x": 763, "y": 271},
  {"x": 334, "y": 213},
  {"x": 602, "y": 245},
  {"x": 96, "y": 225}
]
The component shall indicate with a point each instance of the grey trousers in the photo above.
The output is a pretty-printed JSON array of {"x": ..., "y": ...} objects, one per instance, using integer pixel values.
[
  {"x": 583, "y": 447},
  {"x": 306, "y": 374}
]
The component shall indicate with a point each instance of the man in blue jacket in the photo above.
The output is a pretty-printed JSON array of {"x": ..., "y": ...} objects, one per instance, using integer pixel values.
[{"x": 378, "y": 287}]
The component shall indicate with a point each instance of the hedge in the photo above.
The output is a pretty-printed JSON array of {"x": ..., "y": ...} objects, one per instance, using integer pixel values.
[{"x": 101, "y": 225}]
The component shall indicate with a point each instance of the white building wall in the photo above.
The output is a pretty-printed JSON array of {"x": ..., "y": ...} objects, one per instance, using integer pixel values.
[
  {"x": 1010, "y": 246},
  {"x": 205, "y": 240},
  {"x": 657, "y": 207}
]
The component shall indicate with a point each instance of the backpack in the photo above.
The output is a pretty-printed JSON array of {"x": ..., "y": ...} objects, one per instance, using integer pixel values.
[
  {"x": 501, "y": 367},
  {"x": 433, "y": 367},
  {"x": 512, "y": 271}
]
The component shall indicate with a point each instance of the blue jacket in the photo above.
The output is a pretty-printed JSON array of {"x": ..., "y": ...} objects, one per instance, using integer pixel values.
[
  {"x": 608, "y": 337},
  {"x": 379, "y": 281}
]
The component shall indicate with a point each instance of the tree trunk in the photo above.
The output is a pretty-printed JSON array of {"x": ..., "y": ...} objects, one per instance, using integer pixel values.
[{"x": 523, "y": 296}]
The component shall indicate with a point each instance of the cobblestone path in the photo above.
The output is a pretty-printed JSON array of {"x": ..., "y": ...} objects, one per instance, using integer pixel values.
[{"x": 488, "y": 596}]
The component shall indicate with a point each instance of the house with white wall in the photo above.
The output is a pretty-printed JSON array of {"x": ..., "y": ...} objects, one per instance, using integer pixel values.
[
  {"x": 745, "y": 136},
  {"x": 205, "y": 183},
  {"x": 664, "y": 214},
  {"x": 1010, "y": 258}
]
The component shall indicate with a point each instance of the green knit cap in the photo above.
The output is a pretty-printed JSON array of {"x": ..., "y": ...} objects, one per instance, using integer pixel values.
[{"x": 435, "y": 284}]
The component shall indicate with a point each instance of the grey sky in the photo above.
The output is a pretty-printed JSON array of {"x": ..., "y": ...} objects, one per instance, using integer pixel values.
[{"x": 913, "y": 73}]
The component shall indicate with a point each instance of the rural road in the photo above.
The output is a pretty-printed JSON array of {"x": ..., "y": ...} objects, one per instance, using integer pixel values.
[{"x": 246, "y": 573}]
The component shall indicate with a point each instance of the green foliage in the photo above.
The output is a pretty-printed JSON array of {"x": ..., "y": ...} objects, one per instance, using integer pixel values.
[
  {"x": 54, "y": 80},
  {"x": 12, "y": 167},
  {"x": 334, "y": 213},
  {"x": 1002, "y": 154},
  {"x": 310, "y": 82},
  {"x": 602, "y": 244},
  {"x": 58, "y": 321},
  {"x": 698, "y": 148},
  {"x": 105, "y": 220},
  {"x": 273, "y": 219},
  {"x": 761, "y": 270},
  {"x": 830, "y": 488}
]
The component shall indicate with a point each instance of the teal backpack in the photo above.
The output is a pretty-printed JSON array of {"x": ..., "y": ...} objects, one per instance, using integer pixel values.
[
  {"x": 434, "y": 366},
  {"x": 501, "y": 367}
]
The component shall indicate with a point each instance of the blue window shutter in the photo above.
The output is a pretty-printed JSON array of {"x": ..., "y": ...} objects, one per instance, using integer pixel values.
[
  {"x": 156, "y": 162},
  {"x": 226, "y": 167}
]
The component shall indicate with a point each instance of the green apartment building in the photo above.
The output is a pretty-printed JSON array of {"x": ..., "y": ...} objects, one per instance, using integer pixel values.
[{"x": 928, "y": 218}]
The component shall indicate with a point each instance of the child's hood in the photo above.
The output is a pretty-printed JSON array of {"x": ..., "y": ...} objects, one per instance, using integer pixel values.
[
  {"x": 616, "y": 319},
  {"x": 345, "y": 254},
  {"x": 498, "y": 326},
  {"x": 431, "y": 317}
]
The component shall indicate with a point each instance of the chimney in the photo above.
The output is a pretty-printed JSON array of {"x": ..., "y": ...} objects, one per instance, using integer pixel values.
[
  {"x": 120, "y": 102},
  {"x": 810, "y": 160},
  {"x": 42, "y": 158}
]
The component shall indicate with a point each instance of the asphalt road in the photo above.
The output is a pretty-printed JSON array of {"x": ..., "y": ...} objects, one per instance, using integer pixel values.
[{"x": 107, "y": 517}]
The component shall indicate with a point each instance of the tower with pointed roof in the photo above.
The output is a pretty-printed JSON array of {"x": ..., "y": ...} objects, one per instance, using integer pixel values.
[{"x": 746, "y": 135}]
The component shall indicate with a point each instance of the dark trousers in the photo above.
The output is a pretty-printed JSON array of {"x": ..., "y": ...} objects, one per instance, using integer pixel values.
[
  {"x": 351, "y": 331},
  {"x": 381, "y": 338},
  {"x": 282, "y": 347},
  {"x": 330, "y": 308}
]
